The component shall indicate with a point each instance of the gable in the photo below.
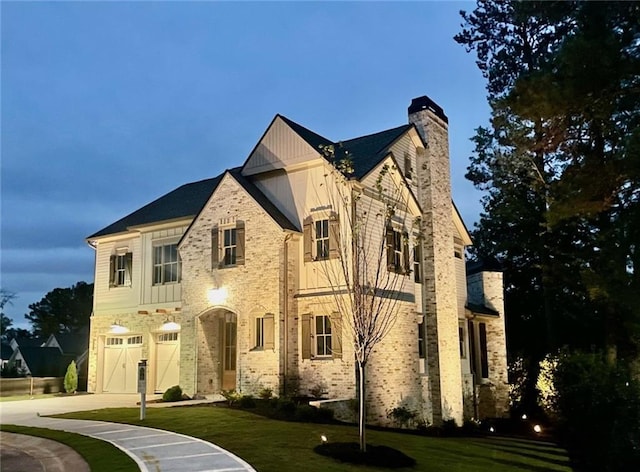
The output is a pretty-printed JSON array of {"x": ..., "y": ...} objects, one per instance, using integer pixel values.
[
  {"x": 460, "y": 227},
  {"x": 284, "y": 144}
]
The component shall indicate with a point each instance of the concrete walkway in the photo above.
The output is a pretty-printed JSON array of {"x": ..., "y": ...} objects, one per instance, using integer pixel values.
[{"x": 153, "y": 450}]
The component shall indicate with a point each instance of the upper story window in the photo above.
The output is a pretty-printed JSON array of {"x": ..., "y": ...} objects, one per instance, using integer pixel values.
[
  {"x": 408, "y": 171},
  {"x": 397, "y": 251},
  {"x": 321, "y": 238},
  {"x": 227, "y": 245},
  {"x": 120, "y": 269},
  {"x": 166, "y": 264},
  {"x": 230, "y": 246},
  {"x": 417, "y": 264}
]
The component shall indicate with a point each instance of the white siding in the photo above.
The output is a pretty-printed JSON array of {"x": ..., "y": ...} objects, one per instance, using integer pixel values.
[{"x": 280, "y": 147}]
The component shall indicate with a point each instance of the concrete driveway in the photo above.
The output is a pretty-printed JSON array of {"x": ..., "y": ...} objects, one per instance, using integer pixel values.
[{"x": 151, "y": 449}]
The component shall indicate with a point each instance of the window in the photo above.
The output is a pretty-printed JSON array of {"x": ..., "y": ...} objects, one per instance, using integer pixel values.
[
  {"x": 227, "y": 246},
  {"x": 134, "y": 340},
  {"x": 114, "y": 341},
  {"x": 397, "y": 251},
  {"x": 321, "y": 336},
  {"x": 166, "y": 264},
  {"x": 165, "y": 337},
  {"x": 422, "y": 352},
  {"x": 461, "y": 340},
  {"x": 417, "y": 264},
  {"x": 120, "y": 270},
  {"x": 478, "y": 350},
  {"x": 264, "y": 335},
  {"x": 322, "y": 239},
  {"x": 407, "y": 166},
  {"x": 321, "y": 236}
]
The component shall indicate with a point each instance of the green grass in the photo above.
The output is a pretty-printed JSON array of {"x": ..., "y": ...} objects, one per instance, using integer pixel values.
[
  {"x": 14, "y": 398},
  {"x": 278, "y": 446},
  {"x": 100, "y": 455}
]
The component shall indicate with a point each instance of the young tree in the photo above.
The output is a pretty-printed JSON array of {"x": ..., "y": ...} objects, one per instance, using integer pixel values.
[
  {"x": 63, "y": 310},
  {"x": 377, "y": 227},
  {"x": 71, "y": 378}
]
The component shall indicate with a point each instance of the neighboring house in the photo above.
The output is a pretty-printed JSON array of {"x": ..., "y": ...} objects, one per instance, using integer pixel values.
[
  {"x": 216, "y": 284},
  {"x": 73, "y": 346},
  {"x": 7, "y": 351},
  {"x": 36, "y": 361}
]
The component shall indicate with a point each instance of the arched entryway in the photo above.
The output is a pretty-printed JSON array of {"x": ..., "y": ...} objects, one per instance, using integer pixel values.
[{"x": 217, "y": 351}]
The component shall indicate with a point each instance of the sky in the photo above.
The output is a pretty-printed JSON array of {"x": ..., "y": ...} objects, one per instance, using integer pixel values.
[{"x": 106, "y": 106}]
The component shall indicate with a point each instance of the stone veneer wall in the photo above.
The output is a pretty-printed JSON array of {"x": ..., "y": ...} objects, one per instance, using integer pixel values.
[
  {"x": 493, "y": 398},
  {"x": 440, "y": 305},
  {"x": 253, "y": 288}
]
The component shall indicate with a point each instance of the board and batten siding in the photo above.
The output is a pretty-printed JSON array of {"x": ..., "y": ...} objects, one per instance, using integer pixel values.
[
  {"x": 279, "y": 147},
  {"x": 165, "y": 293},
  {"x": 405, "y": 147},
  {"x": 116, "y": 299}
]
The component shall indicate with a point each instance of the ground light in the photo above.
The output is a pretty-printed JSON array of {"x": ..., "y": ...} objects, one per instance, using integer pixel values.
[
  {"x": 537, "y": 428},
  {"x": 323, "y": 438}
]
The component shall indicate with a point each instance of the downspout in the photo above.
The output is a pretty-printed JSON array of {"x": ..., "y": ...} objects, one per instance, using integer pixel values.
[{"x": 285, "y": 311}]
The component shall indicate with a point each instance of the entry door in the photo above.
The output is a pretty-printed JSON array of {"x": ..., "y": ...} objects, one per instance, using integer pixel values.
[
  {"x": 167, "y": 361},
  {"x": 229, "y": 330},
  {"x": 121, "y": 357}
]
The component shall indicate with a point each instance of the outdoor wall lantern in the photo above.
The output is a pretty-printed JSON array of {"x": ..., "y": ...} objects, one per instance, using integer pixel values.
[
  {"x": 217, "y": 296},
  {"x": 118, "y": 328},
  {"x": 170, "y": 324}
]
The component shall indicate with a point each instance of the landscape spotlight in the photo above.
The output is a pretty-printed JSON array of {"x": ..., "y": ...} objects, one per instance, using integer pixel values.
[
  {"x": 323, "y": 438},
  {"x": 537, "y": 429}
]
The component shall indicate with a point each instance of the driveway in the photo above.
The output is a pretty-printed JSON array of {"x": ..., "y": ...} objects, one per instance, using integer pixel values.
[{"x": 150, "y": 448}]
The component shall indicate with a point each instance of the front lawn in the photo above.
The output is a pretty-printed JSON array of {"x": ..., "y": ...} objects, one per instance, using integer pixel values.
[{"x": 279, "y": 446}]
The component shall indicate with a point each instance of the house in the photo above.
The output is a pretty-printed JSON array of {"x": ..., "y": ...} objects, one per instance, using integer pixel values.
[
  {"x": 73, "y": 346},
  {"x": 5, "y": 355},
  {"x": 221, "y": 284}
]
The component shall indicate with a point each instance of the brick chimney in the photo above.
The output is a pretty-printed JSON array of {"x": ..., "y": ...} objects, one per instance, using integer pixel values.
[{"x": 439, "y": 285}]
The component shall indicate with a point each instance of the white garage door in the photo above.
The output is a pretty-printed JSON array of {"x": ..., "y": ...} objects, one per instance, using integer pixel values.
[
  {"x": 167, "y": 361},
  {"x": 121, "y": 357}
]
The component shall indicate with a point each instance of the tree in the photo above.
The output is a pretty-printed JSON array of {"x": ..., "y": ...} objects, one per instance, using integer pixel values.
[
  {"x": 560, "y": 166},
  {"x": 62, "y": 310},
  {"x": 367, "y": 276},
  {"x": 6, "y": 298},
  {"x": 71, "y": 378}
]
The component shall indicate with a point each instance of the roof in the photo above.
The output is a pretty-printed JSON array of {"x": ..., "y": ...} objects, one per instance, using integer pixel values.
[
  {"x": 182, "y": 202},
  {"x": 6, "y": 351},
  {"x": 45, "y": 361},
  {"x": 29, "y": 342},
  {"x": 367, "y": 151},
  {"x": 481, "y": 310},
  {"x": 73, "y": 343},
  {"x": 189, "y": 199},
  {"x": 484, "y": 265},
  {"x": 263, "y": 201}
]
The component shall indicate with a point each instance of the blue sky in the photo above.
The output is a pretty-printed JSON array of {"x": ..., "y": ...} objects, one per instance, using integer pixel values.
[{"x": 107, "y": 106}]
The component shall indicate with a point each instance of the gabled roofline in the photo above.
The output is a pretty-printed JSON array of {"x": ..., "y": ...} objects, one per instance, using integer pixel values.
[
  {"x": 269, "y": 211},
  {"x": 466, "y": 236}
]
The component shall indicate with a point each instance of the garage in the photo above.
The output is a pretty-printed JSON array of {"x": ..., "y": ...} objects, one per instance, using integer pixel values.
[
  {"x": 121, "y": 357},
  {"x": 167, "y": 361}
]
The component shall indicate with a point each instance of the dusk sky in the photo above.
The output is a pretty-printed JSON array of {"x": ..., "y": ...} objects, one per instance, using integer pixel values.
[{"x": 107, "y": 106}]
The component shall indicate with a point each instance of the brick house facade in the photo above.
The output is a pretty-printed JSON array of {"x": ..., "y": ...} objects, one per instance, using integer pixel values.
[{"x": 223, "y": 284}]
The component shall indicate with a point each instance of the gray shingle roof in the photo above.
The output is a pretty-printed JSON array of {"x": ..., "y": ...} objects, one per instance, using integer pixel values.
[
  {"x": 187, "y": 201},
  {"x": 45, "y": 361},
  {"x": 182, "y": 202}
]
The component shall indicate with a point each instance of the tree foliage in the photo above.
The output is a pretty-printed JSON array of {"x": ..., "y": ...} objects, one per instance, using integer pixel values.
[
  {"x": 5, "y": 322},
  {"x": 62, "y": 310},
  {"x": 560, "y": 165}
]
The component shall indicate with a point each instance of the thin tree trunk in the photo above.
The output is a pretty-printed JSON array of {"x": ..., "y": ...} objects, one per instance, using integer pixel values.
[{"x": 362, "y": 413}]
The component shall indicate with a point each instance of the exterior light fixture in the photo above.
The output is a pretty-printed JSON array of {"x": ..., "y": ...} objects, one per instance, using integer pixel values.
[
  {"x": 524, "y": 417},
  {"x": 217, "y": 296},
  {"x": 118, "y": 328},
  {"x": 537, "y": 429},
  {"x": 323, "y": 438},
  {"x": 491, "y": 429},
  {"x": 170, "y": 324}
]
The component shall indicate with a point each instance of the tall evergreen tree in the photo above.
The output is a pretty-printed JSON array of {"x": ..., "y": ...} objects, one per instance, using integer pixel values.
[{"x": 560, "y": 165}]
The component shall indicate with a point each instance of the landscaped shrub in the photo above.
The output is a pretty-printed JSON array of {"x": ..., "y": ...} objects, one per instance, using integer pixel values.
[
  {"x": 172, "y": 394},
  {"x": 265, "y": 393},
  {"x": 71, "y": 378},
  {"x": 598, "y": 410},
  {"x": 318, "y": 390},
  {"x": 247, "y": 401},
  {"x": 401, "y": 416},
  {"x": 286, "y": 406},
  {"x": 231, "y": 396}
]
